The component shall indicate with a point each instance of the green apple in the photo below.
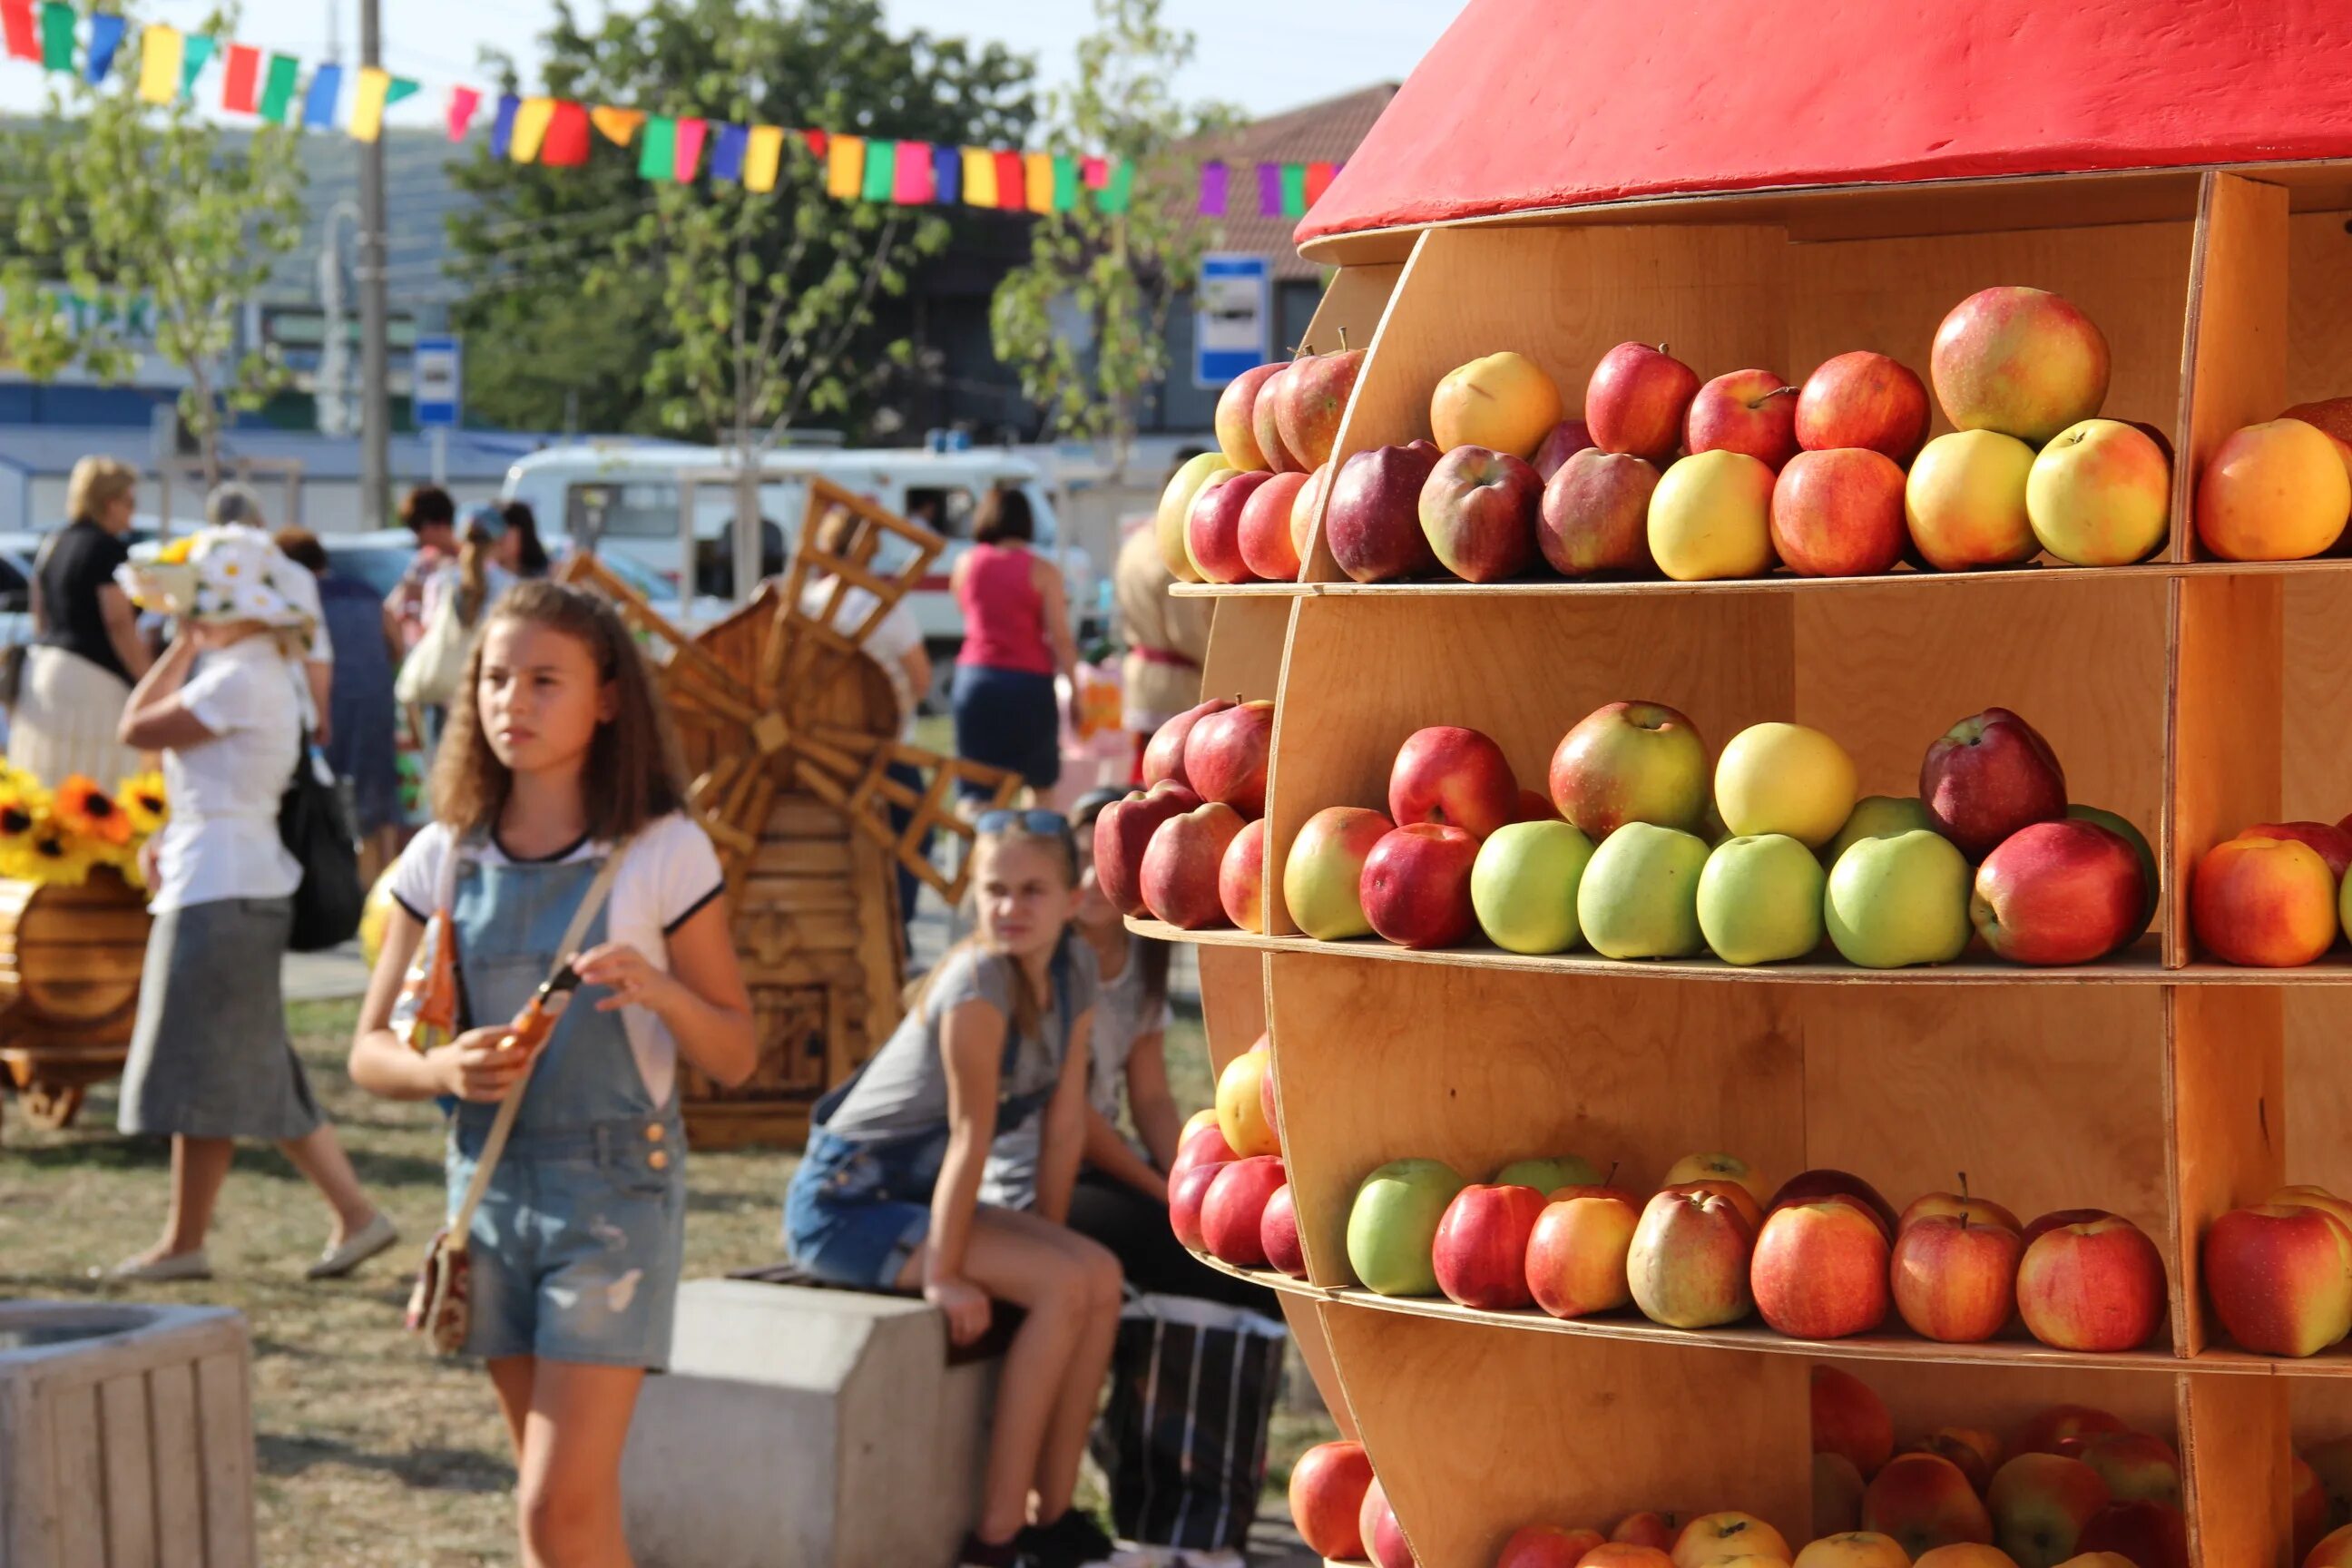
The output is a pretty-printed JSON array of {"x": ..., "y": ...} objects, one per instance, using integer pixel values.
[
  {"x": 1523, "y": 886},
  {"x": 1392, "y": 1225},
  {"x": 1759, "y": 899},
  {"x": 1879, "y": 817},
  {"x": 2138, "y": 841},
  {"x": 1784, "y": 779},
  {"x": 1639, "y": 897},
  {"x": 1176, "y": 506},
  {"x": 1900, "y": 901},
  {"x": 1548, "y": 1176}
]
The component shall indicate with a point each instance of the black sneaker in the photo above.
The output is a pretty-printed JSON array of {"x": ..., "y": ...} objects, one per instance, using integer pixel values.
[
  {"x": 1073, "y": 1540},
  {"x": 978, "y": 1553}
]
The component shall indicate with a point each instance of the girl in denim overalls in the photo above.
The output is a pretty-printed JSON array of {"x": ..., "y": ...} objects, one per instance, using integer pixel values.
[
  {"x": 889, "y": 1193},
  {"x": 556, "y": 759}
]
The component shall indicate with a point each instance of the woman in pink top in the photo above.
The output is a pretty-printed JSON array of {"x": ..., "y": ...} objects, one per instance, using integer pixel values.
[{"x": 1016, "y": 638}]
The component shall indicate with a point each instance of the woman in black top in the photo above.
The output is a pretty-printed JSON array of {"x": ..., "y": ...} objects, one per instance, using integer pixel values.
[{"x": 86, "y": 650}]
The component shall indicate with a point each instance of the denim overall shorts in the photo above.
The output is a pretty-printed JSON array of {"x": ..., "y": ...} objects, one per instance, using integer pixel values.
[{"x": 578, "y": 1245}]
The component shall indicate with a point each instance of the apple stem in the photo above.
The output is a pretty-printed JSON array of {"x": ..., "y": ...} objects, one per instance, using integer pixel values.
[
  {"x": 1662, "y": 348},
  {"x": 1343, "y": 340},
  {"x": 1780, "y": 392}
]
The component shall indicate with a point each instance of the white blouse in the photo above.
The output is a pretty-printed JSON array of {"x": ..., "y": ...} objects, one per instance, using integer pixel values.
[{"x": 222, "y": 840}]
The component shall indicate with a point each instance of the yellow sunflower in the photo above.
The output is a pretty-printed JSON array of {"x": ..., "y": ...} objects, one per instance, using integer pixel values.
[
  {"x": 143, "y": 802},
  {"x": 54, "y": 856},
  {"x": 84, "y": 808},
  {"x": 21, "y": 811},
  {"x": 176, "y": 552}
]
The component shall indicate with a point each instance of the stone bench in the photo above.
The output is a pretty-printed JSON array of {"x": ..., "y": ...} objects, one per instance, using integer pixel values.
[{"x": 804, "y": 1427}]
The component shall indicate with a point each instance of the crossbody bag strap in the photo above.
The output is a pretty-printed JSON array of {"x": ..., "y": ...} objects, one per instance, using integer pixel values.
[{"x": 461, "y": 1223}]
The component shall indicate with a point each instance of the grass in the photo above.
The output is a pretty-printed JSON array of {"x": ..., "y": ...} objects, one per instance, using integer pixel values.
[{"x": 370, "y": 1451}]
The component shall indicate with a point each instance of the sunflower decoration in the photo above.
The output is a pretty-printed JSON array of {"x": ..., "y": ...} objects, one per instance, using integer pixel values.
[
  {"x": 84, "y": 809},
  {"x": 55, "y": 856},
  {"x": 22, "y": 810},
  {"x": 142, "y": 800}
]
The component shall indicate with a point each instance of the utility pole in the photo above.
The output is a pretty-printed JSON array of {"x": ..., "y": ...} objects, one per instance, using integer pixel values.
[{"x": 375, "y": 370}]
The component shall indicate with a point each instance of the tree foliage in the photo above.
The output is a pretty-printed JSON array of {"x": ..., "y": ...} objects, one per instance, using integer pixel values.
[{"x": 170, "y": 220}]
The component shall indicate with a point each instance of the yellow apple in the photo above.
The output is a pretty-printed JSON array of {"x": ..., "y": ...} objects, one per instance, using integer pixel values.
[
  {"x": 1719, "y": 1168},
  {"x": 1785, "y": 778},
  {"x": 1720, "y": 1539},
  {"x": 2101, "y": 494},
  {"x": 1241, "y": 1104},
  {"x": 1710, "y": 518},
  {"x": 1964, "y": 501},
  {"x": 1504, "y": 401},
  {"x": 2273, "y": 491},
  {"x": 1176, "y": 506},
  {"x": 1854, "y": 1549}
]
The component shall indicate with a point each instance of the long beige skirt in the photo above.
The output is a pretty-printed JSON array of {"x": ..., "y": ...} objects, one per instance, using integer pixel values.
[{"x": 64, "y": 724}]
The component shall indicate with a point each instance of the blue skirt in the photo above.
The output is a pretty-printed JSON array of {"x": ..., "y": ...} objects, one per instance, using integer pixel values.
[{"x": 1008, "y": 719}]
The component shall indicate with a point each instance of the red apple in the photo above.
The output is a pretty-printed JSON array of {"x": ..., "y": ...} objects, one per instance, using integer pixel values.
[
  {"x": 2068, "y": 891},
  {"x": 2024, "y": 361},
  {"x": 2039, "y": 1503},
  {"x": 2264, "y": 902},
  {"x": 1373, "y": 519},
  {"x": 1863, "y": 399},
  {"x": 1203, "y": 1144},
  {"x": 1838, "y": 513},
  {"x": 1687, "y": 1264},
  {"x": 2148, "y": 1534},
  {"x": 1924, "y": 1502},
  {"x": 1234, "y": 1206},
  {"x": 1305, "y": 508},
  {"x": 2095, "y": 1287},
  {"x": 1384, "y": 1542},
  {"x": 1595, "y": 514},
  {"x": 1631, "y": 762},
  {"x": 1277, "y": 1233},
  {"x": 2333, "y": 1549},
  {"x": 1750, "y": 411},
  {"x": 1477, "y": 509},
  {"x": 1851, "y": 1420},
  {"x": 1327, "y": 1494},
  {"x": 1236, "y": 406},
  {"x": 1212, "y": 528},
  {"x": 1952, "y": 1205},
  {"x": 1449, "y": 775},
  {"x": 1182, "y": 863},
  {"x": 1536, "y": 806},
  {"x": 2137, "y": 1466},
  {"x": 2280, "y": 1278},
  {"x": 1655, "y": 1531},
  {"x": 1481, "y": 1251},
  {"x": 1416, "y": 885},
  {"x": 1225, "y": 756},
  {"x": 1123, "y": 831},
  {"x": 1265, "y": 424},
  {"x": 2056, "y": 1217},
  {"x": 1955, "y": 1280},
  {"x": 1322, "y": 881},
  {"x": 1576, "y": 1253},
  {"x": 1568, "y": 438},
  {"x": 1986, "y": 776},
  {"x": 1819, "y": 1270},
  {"x": 1264, "y": 539},
  {"x": 2057, "y": 1424},
  {"x": 1548, "y": 1546},
  {"x": 1314, "y": 395},
  {"x": 2333, "y": 845},
  {"x": 2308, "y": 1503},
  {"x": 1741, "y": 1200},
  {"x": 1163, "y": 759},
  {"x": 1636, "y": 400},
  {"x": 1807, "y": 1186},
  {"x": 1240, "y": 878},
  {"x": 1976, "y": 1453},
  {"x": 1186, "y": 1196}
]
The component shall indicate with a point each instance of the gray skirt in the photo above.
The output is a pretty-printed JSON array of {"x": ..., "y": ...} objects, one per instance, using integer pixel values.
[{"x": 209, "y": 1057}]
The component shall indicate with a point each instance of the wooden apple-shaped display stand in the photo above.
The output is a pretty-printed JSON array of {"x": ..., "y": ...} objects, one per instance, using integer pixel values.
[{"x": 2194, "y": 696}]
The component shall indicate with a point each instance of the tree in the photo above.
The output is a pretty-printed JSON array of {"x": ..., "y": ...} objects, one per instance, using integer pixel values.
[
  {"x": 160, "y": 219},
  {"x": 1117, "y": 273}
]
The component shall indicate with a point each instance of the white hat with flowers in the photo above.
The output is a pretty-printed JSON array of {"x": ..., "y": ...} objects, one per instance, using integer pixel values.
[{"x": 219, "y": 574}]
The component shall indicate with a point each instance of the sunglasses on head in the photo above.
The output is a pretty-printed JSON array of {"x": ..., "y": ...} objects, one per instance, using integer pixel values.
[{"x": 1032, "y": 821}]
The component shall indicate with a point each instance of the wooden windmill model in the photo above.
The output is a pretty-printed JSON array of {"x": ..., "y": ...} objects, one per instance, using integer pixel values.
[{"x": 789, "y": 727}]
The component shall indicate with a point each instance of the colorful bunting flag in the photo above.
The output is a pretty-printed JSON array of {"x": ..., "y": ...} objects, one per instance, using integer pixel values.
[
  {"x": 1118, "y": 194},
  {"x": 911, "y": 182},
  {"x": 16, "y": 29},
  {"x": 726, "y": 153},
  {"x": 241, "y": 85},
  {"x": 105, "y": 40},
  {"x": 319, "y": 104},
  {"x": 618, "y": 126},
  {"x": 1094, "y": 173},
  {"x": 57, "y": 35},
  {"x": 1065, "y": 183},
  {"x": 502, "y": 124},
  {"x": 1213, "y": 190},
  {"x": 198, "y": 54},
  {"x": 1294, "y": 190},
  {"x": 566, "y": 144},
  {"x": 1318, "y": 180},
  {"x": 881, "y": 169},
  {"x": 947, "y": 175},
  {"x": 278, "y": 89},
  {"x": 845, "y": 166},
  {"x": 1038, "y": 181},
  {"x": 691, "y": 133},
  {"x": 464, "y": 102},
  {"x": 979, "y": 177},
  {"x": 762, "y": 156},
  {"x": 1269, "y": 190},
  {"x": 816, "y": 142},
  {"x": 1011, "y": 183},
  {"x": 657, "y": 152},
  {"x": 159, "y": 61},
  {"x": 532, "y": 117},
  {"x": 367, "y": 103},
  {"x": 399, "y": 88}
]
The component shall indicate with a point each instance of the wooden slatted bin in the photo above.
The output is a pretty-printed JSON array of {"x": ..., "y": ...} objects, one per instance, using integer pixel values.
[{"x": 2192, "y": 696}]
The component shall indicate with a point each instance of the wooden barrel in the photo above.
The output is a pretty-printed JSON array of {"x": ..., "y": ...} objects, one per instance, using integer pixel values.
[{"x": 70, "y": 957}]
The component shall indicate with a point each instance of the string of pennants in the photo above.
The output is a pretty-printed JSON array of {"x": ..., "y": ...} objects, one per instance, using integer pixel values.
[{"x": 560, "y": 133}]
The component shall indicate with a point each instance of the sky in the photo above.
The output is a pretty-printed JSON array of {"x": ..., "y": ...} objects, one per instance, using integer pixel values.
[{"x": 1252, "y": 53}]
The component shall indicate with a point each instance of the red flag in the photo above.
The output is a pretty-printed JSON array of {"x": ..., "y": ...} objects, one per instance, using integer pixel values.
[
  {"x": 1318, "y": 179},
  {"x": 463, "y": 103},
  {"x": 237, "y": 94},
  {"x": 816, "y": 140},
  {"x": 690, "y": 135},
  {"x": 1012, "y": 186},
  {"x": 16, "y": 24},
  {"x": 565, "y": 145}
]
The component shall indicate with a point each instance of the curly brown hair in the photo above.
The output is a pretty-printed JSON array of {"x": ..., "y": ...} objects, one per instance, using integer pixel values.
[{"x": 632, "y": 775}]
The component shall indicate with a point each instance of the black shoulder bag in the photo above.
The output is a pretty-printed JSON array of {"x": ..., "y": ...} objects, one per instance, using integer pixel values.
[{"x": 315, "y": 830}]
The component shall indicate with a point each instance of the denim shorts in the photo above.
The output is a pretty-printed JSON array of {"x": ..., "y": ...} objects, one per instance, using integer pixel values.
[
  {"x": 578, "y": 1245},
  {"x": 857, "y": 1210}
]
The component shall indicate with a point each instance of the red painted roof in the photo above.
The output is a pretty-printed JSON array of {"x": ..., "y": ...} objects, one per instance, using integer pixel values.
[{"x": 1541, "y": 104}]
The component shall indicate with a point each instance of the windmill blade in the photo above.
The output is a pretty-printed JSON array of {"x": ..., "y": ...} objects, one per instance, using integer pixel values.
[
  {"x": 800, "y": 663},
  {"x": 689, "y": 671},
  {"x": 865, "y": 792}
]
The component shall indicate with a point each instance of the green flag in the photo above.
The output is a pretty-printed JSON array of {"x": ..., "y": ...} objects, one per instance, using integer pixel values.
[
  {"x": 1294, "y": 190},
  {"x": 193, "y": 62},
  {"x": 1065, "y": 182},
  {"x": 400, "y": 87},
  {"x": 1115, "y": 196},
  {"x": 57, "y": 35},
  {"x": 881, "y": 170},
  {"x": 657, "y": 154},
  {"x": 277, "y": 91}
]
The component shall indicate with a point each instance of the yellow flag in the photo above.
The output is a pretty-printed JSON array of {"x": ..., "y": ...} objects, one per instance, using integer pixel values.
[
  {"x": 765, "y": 152},
  {"x": 845, "y": 166},
  {"x": 160, "y": 49},
  {"x": 530, "y": 122},
  {"x": 619, "y": 125},
  {"x": 1038, "y": 181},
  {"x": 979, "y": 177},
  {"x": 367, "y": 109}
]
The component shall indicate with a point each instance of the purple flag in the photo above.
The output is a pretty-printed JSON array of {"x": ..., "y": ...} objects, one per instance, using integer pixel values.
[
  {"x": 1213, "y": 190},
  {"x": 1269, "y": 190}
]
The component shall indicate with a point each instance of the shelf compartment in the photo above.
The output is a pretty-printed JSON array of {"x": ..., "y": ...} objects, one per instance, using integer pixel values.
[{"x": 2323, "y": 569}]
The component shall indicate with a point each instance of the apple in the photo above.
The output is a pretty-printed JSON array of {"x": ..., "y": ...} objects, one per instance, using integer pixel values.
[
  {"x": 2334, "y": 844},
  {"x": 1878, "y": 817},
  {"x": 1851, "y": 1547},
  {"x": 1851, "y": 1420},
  {"x": 1384, "y": 1542},
  {"x": 2310, "y": 1197},
  {"x": 2024, "y": 362},
  {"x": 1965, "y": 1554},
  {"x": 1551, "y": 1174},
  {"x": 1629, "y": 762},
  {"x": 1202, "y": 1142},
  {"x": 1277, "y": 1233},
  {"x": 1322, "y": 880},
  {"x": 2280, "y": 1278},
  {"x": 1186, "y": 1196},
  {"x": 1479, "y": 510},
  {"x": 1163, "y": 757},
  {"x": 2331, "y": 416},
  {"x": 1924, "y": 1502},
  {"x": 1264, "y": 533},
  {"x": 2275, "y": 491},
  {"x": 1392, "y": 1225},
  {"x": 2268, "y": 902},
  {"x": 2149, "y": 1534},
  {"x": 1715, "y": 1538},
  {"x": 1449, "y": 775},
  {"x": 1727, "y": 1168},
  {"x": 2068, "y": 891},
  {"x": 1975, "y": 1452},
  {"x": 1565, "y": 440},
  {"x": 1326, "y": 1493},
  {"x": 1954, "y": 1279},
  {"x": 2147, "y": 857},
  {"x": 1954, "y": 1206},
  {"x": 1577, "y": 1252},
  {"x": 2100, "y": 494},
  {"x": 1240, "y": 878},
  {"x": 2332, "y": 1462},
  {"x": 1807, "y": 1186},
  {"x": 2039, "y": 1503},
  {"x": 1242, "y": 1121},
  {"x": 1838, "y": 513},
  {"x": 1266, "y": 1103},
  {"x": 1892, "y": 902},
  {"x": 1759, "y": 899},
  {"x": 1373, "y": 519},
  {"x": 1225, "y": 756},
  {"x": 2307, "y": 1504},
  {"x": 2137, "y": 1467},
  {"x": 1123, "y": 830},
  {"x": 1627, "y": 1554},
  {"x": 1480, "y": 1252},
  {"x": 1266, "y": 423},
  {"x": 1819, "y": 1270},
  {"x": 1784, "y": 779},
  {"x": 1711, "y": 518},
  {"x": 1639, "y": 895},
  {"x": 1594, "y": 515},
  {"x": 1534, "y": 806},
  {"x": 1636, "y": 401},
  {"x": 2059, "y": 1424},
  {"x": 2094, "y": 1287},
  {"x": 1750, "y": 411},
  {"x": 1986, "y": 776},
  {"x": 1862, "y": 399},
  {"x": 2041, "y": 1223},
  {"x": 1964, "y": 501},
  {"x": 1548, "y": 1546},
  {"x": 2332, "y": 1550},
  {"x": 1645, "y": 1529},
  {"x": 1233, "y": 1213},
  {"x": 1236, "y": 440},
  {"x": 1305, "y": 508},
  {"x": 1314, "y": 397},
  {"x": 1523, "y": 885},
  {"x": 1504, "y": 401},
  {"x": 1732, "y": 1193},
  {"x": 1687, "y": 1266},
  {"x": 1175, "y": 507},
  {"x": 1837, "y": 1504},
  {"x": 1416, "y": 885},
  {"x": 1183, "y": 864}
]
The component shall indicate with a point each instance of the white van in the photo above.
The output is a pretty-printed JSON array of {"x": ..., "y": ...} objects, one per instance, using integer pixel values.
[{"x": 625, "y": 499}]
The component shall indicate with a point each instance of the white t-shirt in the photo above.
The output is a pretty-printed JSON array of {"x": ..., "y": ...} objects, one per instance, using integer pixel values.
[
  {"x": 896, "y": 635},
  {"x": 222, "y": 840},
  {"x": 671, "y": 872}
]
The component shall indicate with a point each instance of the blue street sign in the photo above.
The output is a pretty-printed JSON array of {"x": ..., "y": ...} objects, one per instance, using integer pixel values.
[
  {"x": 1232, "y": 317},
  {"x": 438, "y": 372}
]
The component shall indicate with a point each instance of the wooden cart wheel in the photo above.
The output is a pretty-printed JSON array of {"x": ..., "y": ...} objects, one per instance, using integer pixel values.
[{"x": 52, "y": 1107}]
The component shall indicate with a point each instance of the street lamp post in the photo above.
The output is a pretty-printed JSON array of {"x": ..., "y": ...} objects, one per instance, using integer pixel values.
[{"x": 375, "y": 373}]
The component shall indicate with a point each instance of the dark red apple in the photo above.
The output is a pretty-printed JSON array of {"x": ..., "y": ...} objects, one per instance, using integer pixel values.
[
  {"x": 1372, "y": 517},
  {"x": 1810, "y": 1186},
  {"x": 1636, "y": 400},
  {"x": 1186, "y": 1194},
  {"x": 1595, "y": 514},
  {"x": 1750, "y": 411},
  {"x": 1234, "y": 1206},
  {"x": 1568, "y": 438},
  {"x": 1123, "y": 832},
  {"x": 1416, "y": 885},
  {"x": 1277, "y": 1233},
  {"x": 2332, "y": 843},
  {"x": 1225, "y": 756},
  {"x": 1837, "y": 514},
  {"x": 1478, "y": 512},
  {"x": 1863, "y": 400},
  {"x": 1481, "y": 1250},
  {"x": 1989, "y": 775},
  {"x": 1446, "y": 774},
  {"x": 1163, "y": 759},
  {"x": 2059, "y": 892},
  {"x": 2148, "y": 1534}
]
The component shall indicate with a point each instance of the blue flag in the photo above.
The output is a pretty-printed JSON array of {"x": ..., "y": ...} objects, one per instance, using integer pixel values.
[
  {"x": 105, "y": 38},
  {"x": 319, "y": 106}
]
